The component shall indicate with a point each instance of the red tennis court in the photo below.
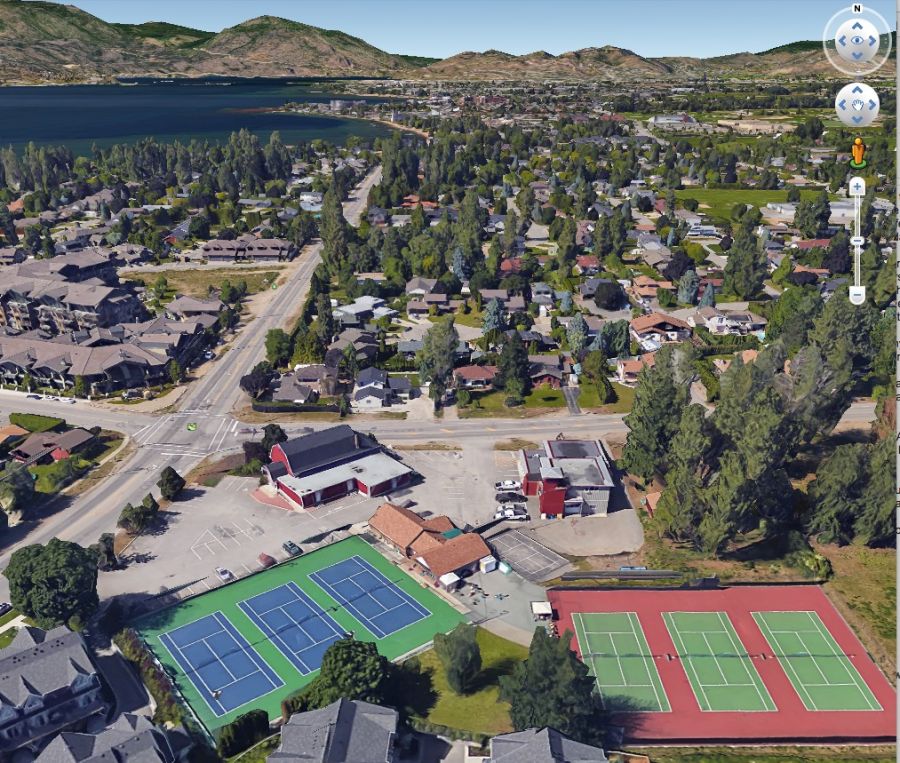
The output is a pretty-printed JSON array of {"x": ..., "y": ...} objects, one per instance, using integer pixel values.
[{"x": 747, "y": 663}]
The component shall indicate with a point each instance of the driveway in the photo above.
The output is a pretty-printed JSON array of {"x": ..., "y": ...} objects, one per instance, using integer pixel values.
[{"x": 571, "y": 395}]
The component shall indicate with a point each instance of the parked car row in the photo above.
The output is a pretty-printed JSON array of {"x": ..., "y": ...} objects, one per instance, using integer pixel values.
[{"x": 266, "y": 560}]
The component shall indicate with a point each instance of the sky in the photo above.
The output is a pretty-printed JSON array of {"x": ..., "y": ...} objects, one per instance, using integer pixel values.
[{"x": 441, "y": 28}]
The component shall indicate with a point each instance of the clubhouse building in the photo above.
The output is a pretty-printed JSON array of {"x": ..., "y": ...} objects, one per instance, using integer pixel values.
[{"x": 323, "y": 466}]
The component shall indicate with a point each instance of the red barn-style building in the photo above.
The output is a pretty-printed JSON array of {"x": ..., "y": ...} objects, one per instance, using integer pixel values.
[{"x": 322, "y": 466}]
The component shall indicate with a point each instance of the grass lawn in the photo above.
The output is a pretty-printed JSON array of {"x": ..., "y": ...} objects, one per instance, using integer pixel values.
[
  {"x": 545, "y": 397},
  {"x": 491, "y": 404},
  {"x": 6, "y": 638},
  {"x": 721, "y": 200},
  {"x": 196, "y": 282},
  {"x": 472, "y": 319},
  {"x": 589, "y": 399},
  {"x": 482, "y": 711},
  {"x": 50, "y": 478},
  {"x": 863, "y": 588},
  {"x": 11, "y": 615}
]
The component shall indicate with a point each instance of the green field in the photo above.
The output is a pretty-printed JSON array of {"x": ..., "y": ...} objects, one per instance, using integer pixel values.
[
  {"x": 718, "y": 202},
  {"x": 614, "y": 647},
  {"x": 717, "y": 666},
  {"x": 225, "y": 601},
  {"x": 822, "y": 675}
]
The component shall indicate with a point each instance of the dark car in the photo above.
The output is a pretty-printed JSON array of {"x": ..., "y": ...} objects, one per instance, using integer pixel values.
[
  {"x": 507, "y": 497},
  {"x": 291, "y": 548}
]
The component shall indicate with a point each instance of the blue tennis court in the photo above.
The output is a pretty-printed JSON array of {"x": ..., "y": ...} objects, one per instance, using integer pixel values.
[
  {"x": 222, "y": 666},
  {"x": 380, "y": 605},
  {"x": 298, "y": 626}
]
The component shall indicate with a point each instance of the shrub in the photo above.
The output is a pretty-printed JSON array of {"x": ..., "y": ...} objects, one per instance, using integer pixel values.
[
  {"x": 168, "y": 709},
  {"x": 242, "y": 733}
]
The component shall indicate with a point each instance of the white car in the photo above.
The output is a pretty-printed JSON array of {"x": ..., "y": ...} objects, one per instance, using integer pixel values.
[
  {"x": 507, "y": 485},
  {"x": 513, "y": 513},
  {"x": 224, "y": 574}
]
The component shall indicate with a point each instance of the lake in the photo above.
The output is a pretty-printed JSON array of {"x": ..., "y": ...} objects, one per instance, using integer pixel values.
[{"x": 84, "y": 115}]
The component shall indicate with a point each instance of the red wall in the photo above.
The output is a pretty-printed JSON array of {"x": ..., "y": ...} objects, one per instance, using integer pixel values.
[{"x": 277, "y": 454}]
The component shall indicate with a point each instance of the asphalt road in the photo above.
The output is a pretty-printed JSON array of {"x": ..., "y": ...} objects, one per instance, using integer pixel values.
[{"x": 164, "y": 440}]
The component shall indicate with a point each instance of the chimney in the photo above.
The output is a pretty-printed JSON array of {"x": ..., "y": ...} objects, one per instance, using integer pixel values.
[{"x": 356, "y": 440}]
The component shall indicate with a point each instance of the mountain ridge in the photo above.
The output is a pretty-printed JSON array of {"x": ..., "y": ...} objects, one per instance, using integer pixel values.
[{"x": 41, "y": 41}]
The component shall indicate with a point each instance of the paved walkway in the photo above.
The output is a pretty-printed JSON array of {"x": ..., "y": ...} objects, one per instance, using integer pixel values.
[{"x": 16, "y": 622}]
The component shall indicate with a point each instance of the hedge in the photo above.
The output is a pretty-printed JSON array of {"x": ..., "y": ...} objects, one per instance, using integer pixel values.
[
  {"x": 243, "y": 732},
  {"x": 168, "y": 708},
  {"x": 276, "y": 406},
  {"x": 449, "y": 732},
  {"x": 34, "y": 422}
]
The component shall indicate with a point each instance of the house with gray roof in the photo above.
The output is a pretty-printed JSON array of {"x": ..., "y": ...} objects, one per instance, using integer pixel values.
[
  {"x": 130, "y": 739},
  {"x": 542, "y": 746},
  {"x": 48, "y": 683},
  {"x": 346, "y": 731}
]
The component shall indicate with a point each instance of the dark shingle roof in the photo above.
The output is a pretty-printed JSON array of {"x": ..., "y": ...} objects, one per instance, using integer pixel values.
[
  {"x": 346, "y": 731},
  {"x": 320, "y": 450},
  {"x": 542, "y": 746}
]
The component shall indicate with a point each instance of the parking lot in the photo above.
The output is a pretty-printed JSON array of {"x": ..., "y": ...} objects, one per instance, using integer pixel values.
[
  {"x": 226, "y": 527},
  {"x": 528, "y": 557},
  {"x": 455, "y": 484}
]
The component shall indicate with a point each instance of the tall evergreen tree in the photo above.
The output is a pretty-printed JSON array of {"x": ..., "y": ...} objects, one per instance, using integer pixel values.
[
  {"x": 654, "y": 417},
  {"x": 553, "y": 688}
]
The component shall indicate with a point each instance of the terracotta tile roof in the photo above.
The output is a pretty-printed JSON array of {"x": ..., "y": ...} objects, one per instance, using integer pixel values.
[
  {"x": 645, "y": 322},
  {"x": 455, "y": 553},
  {"x": 476, "y": 373},
  {"x": 407, "y": 530}
]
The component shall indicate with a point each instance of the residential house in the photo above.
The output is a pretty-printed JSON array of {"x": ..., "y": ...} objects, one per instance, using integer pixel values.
[
  {"x": 346, "y": 731},
  {"x": 11, "y": 255},
  {"x": 544, "y": 296},
  {"x": 129, "y": 739},
  {"x": 288, "y": 389},
  {"x": 419, "y": 287},
  {"x": 511, "y": 303},
  {"x": 546, "y": 370},
  {"x": 377, "y": 216},
  {"x": 376, "y": 389},
  {"x": 48, "y": 683},
  {"x": 723, "y": 364},
  {"x": 655, "y": 329},
  {"x": 362, "y": 310},
  {"x": 589, "y": 288},
  {"x": 475, "y": 377},
  {"x": 365, "y": 343},
  {"x": 545, "y": 745},
  {"x": 44, "y": 447},
  {"x": 628, "y": 369},
  {"x": 713, "y": 320},
  {"x": 587, "y": 264},
  {"x": 186, "y": 308},
  {"x": 645, "y": 289}
]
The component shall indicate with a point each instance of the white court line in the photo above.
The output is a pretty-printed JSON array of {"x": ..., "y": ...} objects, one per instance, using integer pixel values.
[{"x": 729, "y": 629}]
